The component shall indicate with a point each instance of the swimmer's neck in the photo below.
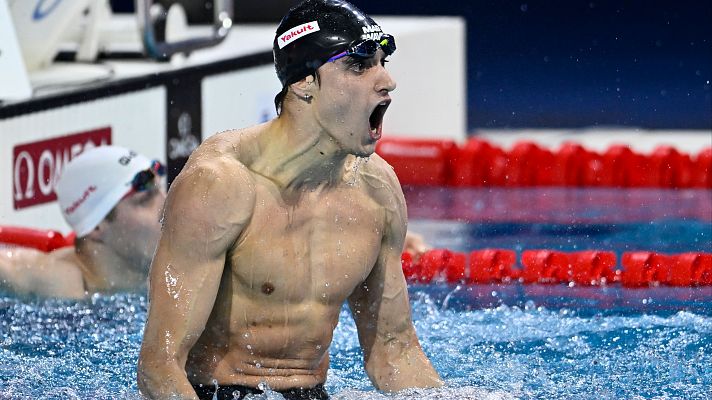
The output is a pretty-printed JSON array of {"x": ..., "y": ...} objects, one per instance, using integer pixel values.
[
  {"x": 299, "y": 156},
  {"x": 105, "y": 271}
]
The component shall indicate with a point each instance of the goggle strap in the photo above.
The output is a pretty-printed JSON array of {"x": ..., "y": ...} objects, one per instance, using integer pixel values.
[{"x": 385, "y": 43}]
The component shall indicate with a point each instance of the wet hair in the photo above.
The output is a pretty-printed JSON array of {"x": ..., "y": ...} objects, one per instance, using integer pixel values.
[{"x": 279, "y": 99}]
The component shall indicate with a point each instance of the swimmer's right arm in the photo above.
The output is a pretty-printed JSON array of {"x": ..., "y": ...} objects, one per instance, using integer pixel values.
[{"x": 206, "y": 209}]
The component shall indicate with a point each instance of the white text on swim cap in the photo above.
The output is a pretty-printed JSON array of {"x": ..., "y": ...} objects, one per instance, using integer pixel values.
[
  {"x": 371, "y": 32},
  {"x": 371, "y": 29},
  {"x": 297, "y": 32}
]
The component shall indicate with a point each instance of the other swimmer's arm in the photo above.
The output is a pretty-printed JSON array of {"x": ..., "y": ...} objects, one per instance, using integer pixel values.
[
  {"x": 207, "y": 207},
  {"x": 393, "y": 357},
  {"x": 415, "y": 245},
  {"x": 30, "y": 272}
]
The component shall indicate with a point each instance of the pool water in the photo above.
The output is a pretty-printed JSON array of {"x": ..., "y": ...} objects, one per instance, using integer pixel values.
[
  {"x": 564, "y": 219},
  {"x": 487, "y": 341}
]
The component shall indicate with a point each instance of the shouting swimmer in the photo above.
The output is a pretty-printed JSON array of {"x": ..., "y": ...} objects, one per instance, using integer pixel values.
[
  {"x": 270, "y": 229},
  {"x": 112, "y": 198}
]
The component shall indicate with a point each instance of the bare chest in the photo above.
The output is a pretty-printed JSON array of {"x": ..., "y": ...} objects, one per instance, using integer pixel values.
[{"x": 316, "y": 247}]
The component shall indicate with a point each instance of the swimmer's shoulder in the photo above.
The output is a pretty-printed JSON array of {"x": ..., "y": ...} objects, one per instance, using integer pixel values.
[
  {"x": 215, "y": 185},
  {"x": 380, "y": 181},
  {"x": 32, "y": 272},
  {"x": 241, "y": 144},
  {"x": 376, "y": 168}
]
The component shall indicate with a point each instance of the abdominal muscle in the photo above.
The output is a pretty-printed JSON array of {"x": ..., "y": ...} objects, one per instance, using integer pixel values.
[
  {"x": 282, "y": 289},
  {"x": 283, "y": 345}
]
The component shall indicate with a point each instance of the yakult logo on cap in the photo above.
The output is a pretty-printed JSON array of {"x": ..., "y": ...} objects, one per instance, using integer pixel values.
[{"x": 297, "y": 32}]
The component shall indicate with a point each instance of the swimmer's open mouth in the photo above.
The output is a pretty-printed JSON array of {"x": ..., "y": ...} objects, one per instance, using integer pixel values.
[{"x": 376, "y": 119}]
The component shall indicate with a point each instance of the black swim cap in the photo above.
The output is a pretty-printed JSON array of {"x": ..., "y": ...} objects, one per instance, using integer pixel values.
[{"x": 315, "y": 30}]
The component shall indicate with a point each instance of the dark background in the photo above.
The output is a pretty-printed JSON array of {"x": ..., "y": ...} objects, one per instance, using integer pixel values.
[{"x": 563, "y": 64}]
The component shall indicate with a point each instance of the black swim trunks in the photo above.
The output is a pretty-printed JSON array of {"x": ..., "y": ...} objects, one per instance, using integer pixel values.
[{"x": 230, "y": 392}]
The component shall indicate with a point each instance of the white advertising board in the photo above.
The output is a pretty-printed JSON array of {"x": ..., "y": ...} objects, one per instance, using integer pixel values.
[{"x": 34, "y": 147}]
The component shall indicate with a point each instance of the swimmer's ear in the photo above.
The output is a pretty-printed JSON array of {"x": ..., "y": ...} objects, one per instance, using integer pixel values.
[{"x": 304, "y": 89}]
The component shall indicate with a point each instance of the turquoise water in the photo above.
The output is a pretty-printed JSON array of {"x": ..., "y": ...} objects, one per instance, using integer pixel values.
[{"x": 487, "y": 341}]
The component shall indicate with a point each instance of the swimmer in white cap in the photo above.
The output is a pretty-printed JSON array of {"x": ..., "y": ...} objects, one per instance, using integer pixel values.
[
  {"x": 269, "y": 230},
  {"x": 112, "y": 198}
]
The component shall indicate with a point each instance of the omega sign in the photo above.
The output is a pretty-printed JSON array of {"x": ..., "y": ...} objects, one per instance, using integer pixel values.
[{"x": 38, "y": 165}]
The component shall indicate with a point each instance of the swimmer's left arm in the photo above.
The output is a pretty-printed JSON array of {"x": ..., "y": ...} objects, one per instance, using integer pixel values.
[
  {"x": 415, "y": 245},
  {"x": 393, "y": 357}
]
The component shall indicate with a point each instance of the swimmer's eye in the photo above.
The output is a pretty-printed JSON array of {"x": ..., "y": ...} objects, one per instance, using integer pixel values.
[
  {"x": 357, "y": 65},
  {"x": 360, "y": 65}
]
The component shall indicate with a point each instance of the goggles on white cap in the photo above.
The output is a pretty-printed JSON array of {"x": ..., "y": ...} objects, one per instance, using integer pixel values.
[{"x": 94, "y": 182}]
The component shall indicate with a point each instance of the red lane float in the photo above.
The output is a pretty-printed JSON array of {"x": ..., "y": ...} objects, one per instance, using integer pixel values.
[
  {"x": 586, "y": 268},
  {"x": 492, "y": 266},
  {"x": 545, "y": 266},
  {"x": 433, "y": 265},
  {"x": 593, "y": 267},
  {"x": 702, "y": 170},
  {"x": 619, "y": 160},
  {"x": 479, "y": 163},
  {"x": 582, "y": 268},
  {"x": 473, "y": 164},
  {"x": 40, "y": 239},
  {"x": 644, "y": 268},
  {"x": 671, "y": 168},
  {"x": 419, "y": 162}
]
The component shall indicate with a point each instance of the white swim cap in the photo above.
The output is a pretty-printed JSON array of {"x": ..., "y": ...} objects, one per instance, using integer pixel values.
[{"x": 94, "y": 182}]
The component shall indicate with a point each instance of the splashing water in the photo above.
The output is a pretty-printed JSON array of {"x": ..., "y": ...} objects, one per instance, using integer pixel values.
[{"x": 583, "y": 343}]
